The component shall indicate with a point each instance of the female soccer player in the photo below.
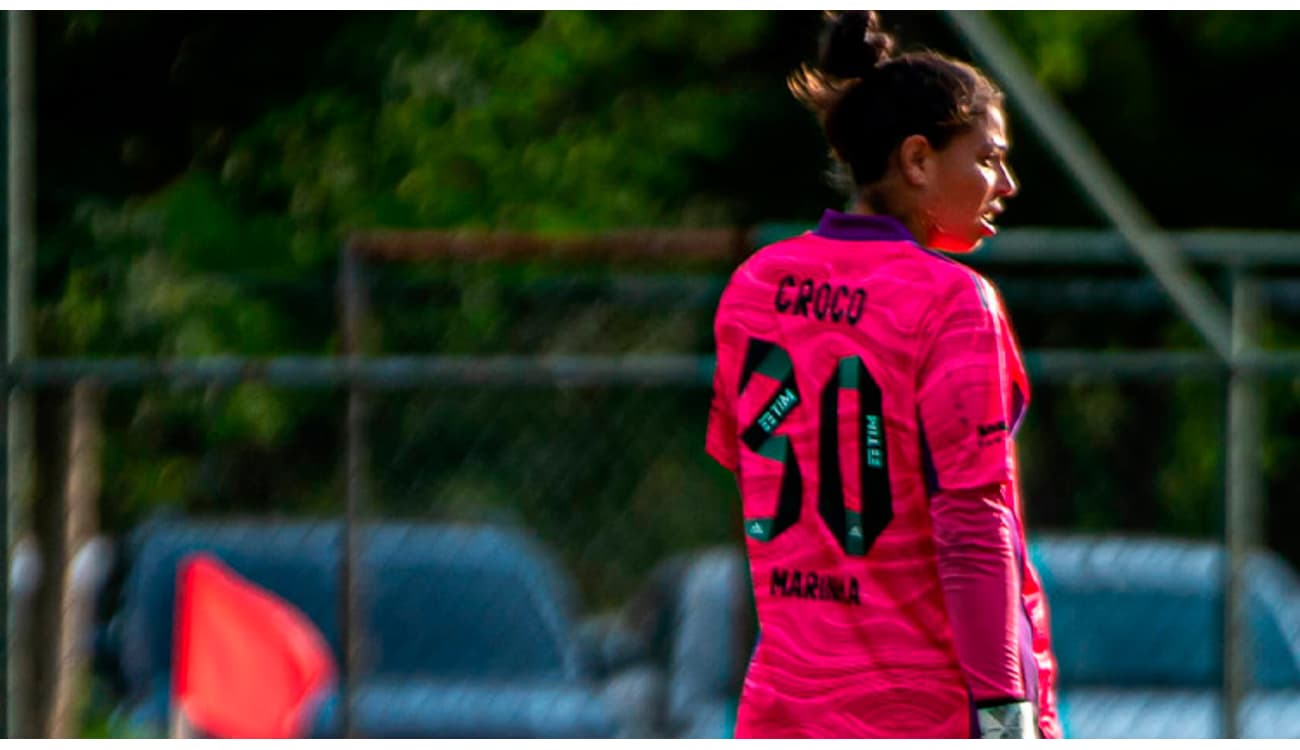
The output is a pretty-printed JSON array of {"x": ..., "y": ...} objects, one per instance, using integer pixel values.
[{"x": 866, "y": 395}]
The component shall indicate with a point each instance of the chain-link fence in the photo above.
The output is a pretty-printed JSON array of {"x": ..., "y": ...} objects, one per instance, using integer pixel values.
[{"x": 496, "y": 508}]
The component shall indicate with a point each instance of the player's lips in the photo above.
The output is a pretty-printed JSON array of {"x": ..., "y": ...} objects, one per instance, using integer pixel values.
[{"x": 988, "y": 219}]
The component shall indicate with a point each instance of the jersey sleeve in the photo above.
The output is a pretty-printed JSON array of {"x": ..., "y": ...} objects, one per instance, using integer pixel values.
[
  {"x": 962, "y": 390},
  {"x": 722, "y": 440},
  {"x": 962, "y": 394}
]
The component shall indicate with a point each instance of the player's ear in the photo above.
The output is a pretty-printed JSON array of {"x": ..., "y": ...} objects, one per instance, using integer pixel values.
[{"x": 916, "y": 160}]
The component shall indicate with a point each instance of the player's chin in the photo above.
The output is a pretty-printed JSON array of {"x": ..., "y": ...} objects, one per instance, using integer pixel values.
[{"x": 968, "y": 242}]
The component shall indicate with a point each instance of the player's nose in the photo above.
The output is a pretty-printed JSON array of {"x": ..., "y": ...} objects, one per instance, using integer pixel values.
[{"x": 1008, "y": 186}]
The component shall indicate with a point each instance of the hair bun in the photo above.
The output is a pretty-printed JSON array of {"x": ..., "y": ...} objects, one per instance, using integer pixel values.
[{"x": 853, "y": 44}]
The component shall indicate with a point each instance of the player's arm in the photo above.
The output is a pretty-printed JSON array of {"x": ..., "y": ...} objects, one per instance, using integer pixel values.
[
  {"x": 1049, "y": 722},
  {"x": 964, "y": 421}
]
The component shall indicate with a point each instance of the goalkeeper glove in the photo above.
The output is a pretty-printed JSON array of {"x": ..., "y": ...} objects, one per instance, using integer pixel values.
[{"x": 1008, "y": 721}]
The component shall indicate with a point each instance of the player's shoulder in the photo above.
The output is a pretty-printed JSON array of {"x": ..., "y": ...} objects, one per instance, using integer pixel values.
[
  {"x": 958, "y": 285},
  {"x": 791, "y": 250},
  {"x": 822, "y": 256},
  {"x": 753, "y": 272}
]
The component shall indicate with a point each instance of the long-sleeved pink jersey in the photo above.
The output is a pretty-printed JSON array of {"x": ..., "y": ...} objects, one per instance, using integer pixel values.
[{"x": 865, "y": 395}]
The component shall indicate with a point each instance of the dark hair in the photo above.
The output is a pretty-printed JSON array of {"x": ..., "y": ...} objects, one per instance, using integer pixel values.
[{"x": 869, "y": 100}]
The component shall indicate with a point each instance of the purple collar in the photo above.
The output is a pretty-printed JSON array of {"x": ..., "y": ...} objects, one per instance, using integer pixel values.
[{"x": 861, "y": 227}]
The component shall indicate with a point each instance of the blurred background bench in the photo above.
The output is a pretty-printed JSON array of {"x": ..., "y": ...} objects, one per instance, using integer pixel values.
[{"x": 477, "y": 631}]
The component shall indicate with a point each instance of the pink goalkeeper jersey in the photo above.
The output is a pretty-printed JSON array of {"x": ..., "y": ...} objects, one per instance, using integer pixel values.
[{"x": 865, "y": 395}]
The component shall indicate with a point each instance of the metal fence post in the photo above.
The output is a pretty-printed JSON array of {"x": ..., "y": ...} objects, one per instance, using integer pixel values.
[
  {"x": 86, "y": 557},
  {"x": 1244, "y": 499},
  {"x": 355, "y": 304},
  {"x": 6, "y": 381},
  {"x": 24, "y": 559}
]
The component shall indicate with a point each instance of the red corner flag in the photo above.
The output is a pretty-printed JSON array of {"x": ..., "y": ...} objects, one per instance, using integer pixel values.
[{"x": 247, "y": 664}]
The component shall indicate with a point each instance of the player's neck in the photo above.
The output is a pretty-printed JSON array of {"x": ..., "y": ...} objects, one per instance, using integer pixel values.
[{"x": 865, "y": 205}]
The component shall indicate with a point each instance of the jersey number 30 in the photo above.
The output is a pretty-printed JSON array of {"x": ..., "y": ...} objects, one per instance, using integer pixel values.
[{"x": 855, "y": 531}]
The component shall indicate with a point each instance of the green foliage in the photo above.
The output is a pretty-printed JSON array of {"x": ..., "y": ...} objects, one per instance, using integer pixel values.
[
  {"x": 539, "y": 122},
  {"x": 544, "y": 122},
  {"x": 1236, "y": 35},
  {"x": 1059, "y": 44}
]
